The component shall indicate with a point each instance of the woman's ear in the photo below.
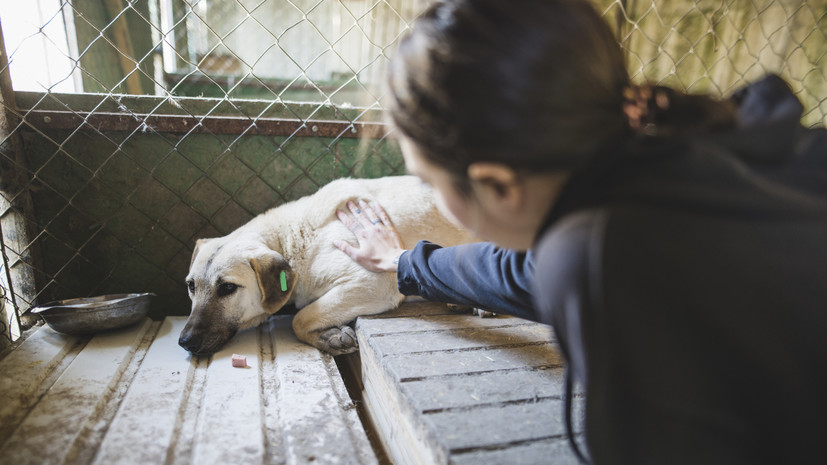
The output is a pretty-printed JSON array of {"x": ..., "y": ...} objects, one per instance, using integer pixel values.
[{"x": 496, "y": 184}]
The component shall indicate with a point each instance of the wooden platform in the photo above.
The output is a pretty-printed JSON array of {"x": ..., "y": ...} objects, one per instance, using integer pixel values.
[
  {"x": 135, "y": 397},
  {"x": 437, "y": 387},
  {"x": 446, "y": 388}
]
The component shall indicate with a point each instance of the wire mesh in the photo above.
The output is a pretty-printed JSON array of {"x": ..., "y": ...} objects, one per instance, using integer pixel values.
[{"x": 137, "y": 126}]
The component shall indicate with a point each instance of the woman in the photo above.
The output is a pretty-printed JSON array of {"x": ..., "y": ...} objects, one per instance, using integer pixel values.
[{"x": 677, "y": 244}]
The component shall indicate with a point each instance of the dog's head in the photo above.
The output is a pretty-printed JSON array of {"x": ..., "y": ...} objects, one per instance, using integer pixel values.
[{"x": 233, "y": 285}]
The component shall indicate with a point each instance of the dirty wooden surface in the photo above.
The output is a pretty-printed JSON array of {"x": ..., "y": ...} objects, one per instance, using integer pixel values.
[
  {"x": 446, "y": 388},
  {"x": 134, "y": 396}
]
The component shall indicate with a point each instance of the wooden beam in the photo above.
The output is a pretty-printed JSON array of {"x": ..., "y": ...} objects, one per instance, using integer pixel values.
[{"x": 20, "y": 256}]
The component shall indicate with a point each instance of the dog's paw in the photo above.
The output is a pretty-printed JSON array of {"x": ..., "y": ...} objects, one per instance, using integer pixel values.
[{"x": 338, "y": 340}]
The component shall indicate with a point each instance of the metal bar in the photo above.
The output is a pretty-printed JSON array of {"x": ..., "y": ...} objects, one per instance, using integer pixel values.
[{"x": 49, "y": 120}]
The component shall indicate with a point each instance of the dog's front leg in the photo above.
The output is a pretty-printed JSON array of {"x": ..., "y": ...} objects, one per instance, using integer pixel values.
[{"x": 323, "y": 322}]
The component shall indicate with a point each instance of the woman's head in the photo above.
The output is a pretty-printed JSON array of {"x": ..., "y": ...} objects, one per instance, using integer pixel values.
[
  {"x": 501, "y": 100},
  {"x": 535, "y": 87}
]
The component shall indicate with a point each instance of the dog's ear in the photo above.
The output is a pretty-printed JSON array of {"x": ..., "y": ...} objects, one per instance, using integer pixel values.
[
  {"x": 276, "y": 280},
  {"x": 198, "y": 243}
]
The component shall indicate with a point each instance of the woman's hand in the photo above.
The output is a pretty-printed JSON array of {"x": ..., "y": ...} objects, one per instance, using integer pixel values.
[{"x": 379, "y": 244}]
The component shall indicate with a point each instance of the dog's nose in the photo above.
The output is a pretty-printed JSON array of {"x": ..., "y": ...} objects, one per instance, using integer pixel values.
[{"x": 189, "y": 342}]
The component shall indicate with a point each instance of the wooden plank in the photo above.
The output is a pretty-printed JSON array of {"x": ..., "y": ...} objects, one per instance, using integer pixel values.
[
  {"x": 21, "y": 251},
  {"x": 460, "y": 339},
  {"x": 26, "y": 372},
  {"x": 401, "y": 430},
  {"x": 275, "y": 450},
  {"x": 438, "y": 322},
  {"x": 485, "y": 427},
  {"x": 146, "y": 422},
  {"x": 89, "y": 438},
  {"x": 455, "y": 389},
  {"x": 320, "y": 422},
  {"x": 420, "y": 365},
  {"x": 451, "y": 392},
  {"x": 182, "y": 445},
  {"x": 415, "y": 306},
  {"x": 551, "y": 451},
  {"x": 230, "y": 423},
  {"x": 76, "y": 401},
  {"x": 99, "y": 58},
  {"x": 135, "y": 396}
]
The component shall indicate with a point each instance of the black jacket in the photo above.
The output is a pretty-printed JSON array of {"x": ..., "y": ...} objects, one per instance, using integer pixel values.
[
  {"x": 686, "y": 283},
  {"x": 685, "y": 280}
]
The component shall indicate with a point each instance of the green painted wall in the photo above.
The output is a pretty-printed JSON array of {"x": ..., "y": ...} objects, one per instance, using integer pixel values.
[{"x": 120, "y": 211}]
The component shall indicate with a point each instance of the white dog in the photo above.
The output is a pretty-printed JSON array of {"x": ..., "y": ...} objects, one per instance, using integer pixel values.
[{"x": 286, "y": 255}]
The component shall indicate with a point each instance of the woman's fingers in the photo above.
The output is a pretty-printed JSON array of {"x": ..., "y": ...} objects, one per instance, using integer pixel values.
[
  {"x": 365, "y": 215},
  {"x": 378, "y": 244},
  {"x": 383, "y": 222},
  {"x": 383, "y": 215},
  {"x": 369, "y": 212},
  {"x": 359, "y": 214},
  {"x": 347, "y": 220}
]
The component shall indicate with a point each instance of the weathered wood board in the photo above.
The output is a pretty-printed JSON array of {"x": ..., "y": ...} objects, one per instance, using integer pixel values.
[
  {"x": 446, "y": 388},
  {"x": 134, "y": 396}
]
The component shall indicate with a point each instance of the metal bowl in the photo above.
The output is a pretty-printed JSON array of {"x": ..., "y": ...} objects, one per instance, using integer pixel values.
[{"x": 90, "y": 315}]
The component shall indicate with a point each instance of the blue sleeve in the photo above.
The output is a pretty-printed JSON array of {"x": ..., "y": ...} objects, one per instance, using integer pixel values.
[{"x": 481, "y": 275}]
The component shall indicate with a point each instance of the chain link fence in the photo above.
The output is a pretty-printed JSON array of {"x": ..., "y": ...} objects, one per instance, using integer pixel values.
[{"x": 130, "y": 128}]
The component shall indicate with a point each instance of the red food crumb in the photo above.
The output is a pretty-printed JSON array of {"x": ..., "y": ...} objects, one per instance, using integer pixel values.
[{"x": 239, "y": 361}]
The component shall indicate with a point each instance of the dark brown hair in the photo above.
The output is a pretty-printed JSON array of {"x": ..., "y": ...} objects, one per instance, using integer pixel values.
[{"x": 535, "y": 84}]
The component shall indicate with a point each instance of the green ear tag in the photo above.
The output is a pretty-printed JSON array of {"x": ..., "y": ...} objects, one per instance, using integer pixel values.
[{"x": 283, "y": 281}]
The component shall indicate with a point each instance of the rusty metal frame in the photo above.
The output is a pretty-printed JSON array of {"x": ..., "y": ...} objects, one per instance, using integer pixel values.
[{"x": 49, "y": 120}]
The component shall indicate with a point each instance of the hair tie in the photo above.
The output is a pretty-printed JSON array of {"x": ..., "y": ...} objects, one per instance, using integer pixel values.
[{"x": 641, "y": 105}]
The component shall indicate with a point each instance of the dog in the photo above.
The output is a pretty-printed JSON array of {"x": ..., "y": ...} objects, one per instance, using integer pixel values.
[{"x": 286, "y": 256}]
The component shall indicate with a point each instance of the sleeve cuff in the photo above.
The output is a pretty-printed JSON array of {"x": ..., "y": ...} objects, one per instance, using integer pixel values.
[{"x": 406, "y": 283}]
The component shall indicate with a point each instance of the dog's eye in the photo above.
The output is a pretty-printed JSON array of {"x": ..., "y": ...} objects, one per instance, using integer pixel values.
[
  {"x": 226, "y": 289},
  {"x": 191, "y": 286}
]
